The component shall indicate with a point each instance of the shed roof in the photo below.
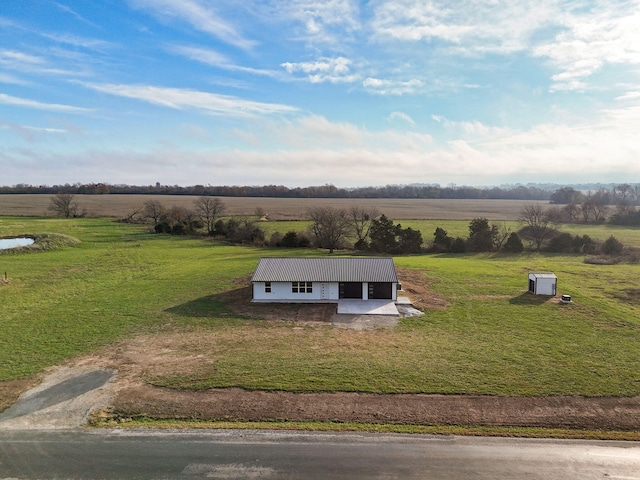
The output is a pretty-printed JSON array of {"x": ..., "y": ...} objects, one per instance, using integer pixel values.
[
  {"x": 325, "y": 270},
  {"x": 543, "y": 275}
]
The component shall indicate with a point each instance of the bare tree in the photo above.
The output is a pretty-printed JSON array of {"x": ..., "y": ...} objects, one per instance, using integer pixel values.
[
  {"x": 64, "y": 205},
  {"x": 209, "y": 209},
  {"x": 623, "y": 196},
  {"x": 360, "y": 219},
  {"x": 600, "y": 205},
  {"x": 329, "y": 226},
  {"x": 538, "y": 224},
  {"x": 154, "y": 210},
  {"x": 130, "y": 216},
  {"x": 501, "y": 234}
]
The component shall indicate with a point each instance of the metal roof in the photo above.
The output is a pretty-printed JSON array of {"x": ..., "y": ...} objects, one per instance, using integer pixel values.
[
  {"x": 543, "y": 275},
  {"x": 325, "y": 270}
]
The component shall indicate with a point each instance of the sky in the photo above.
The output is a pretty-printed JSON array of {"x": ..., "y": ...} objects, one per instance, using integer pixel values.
[{"x": 312, "y": 92}]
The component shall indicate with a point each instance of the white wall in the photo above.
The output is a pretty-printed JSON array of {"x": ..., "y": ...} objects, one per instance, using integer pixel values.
[
  {"x": 282, "y": 291},
  {"x": 544, "y": 286}
]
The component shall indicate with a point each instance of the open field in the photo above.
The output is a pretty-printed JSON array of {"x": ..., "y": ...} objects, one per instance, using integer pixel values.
[
  {"x": 492, "y": 338},
  {"x": 278, "y": 208}
]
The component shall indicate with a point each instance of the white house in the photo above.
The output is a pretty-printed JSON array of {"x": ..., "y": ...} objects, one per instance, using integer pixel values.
[
  {"x": 324, "y": 279},
  {"x": 543, "y": 283}
]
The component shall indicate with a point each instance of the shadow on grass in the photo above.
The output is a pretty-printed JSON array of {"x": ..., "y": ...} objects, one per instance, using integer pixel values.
[
  {"x": 527, "y": 298},
  {"x": 213, "y": 306}
]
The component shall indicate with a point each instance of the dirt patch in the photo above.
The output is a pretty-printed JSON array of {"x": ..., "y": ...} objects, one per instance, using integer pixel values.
[
  {"x": 241, "y": 405},
  {"x": 416, "y": 284}
]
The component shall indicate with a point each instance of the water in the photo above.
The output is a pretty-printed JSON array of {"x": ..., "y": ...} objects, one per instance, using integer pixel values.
[{"x": 6, "y": 243}]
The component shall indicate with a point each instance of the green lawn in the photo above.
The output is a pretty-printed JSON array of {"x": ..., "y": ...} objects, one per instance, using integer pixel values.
[{"x": 491, "y": 339}]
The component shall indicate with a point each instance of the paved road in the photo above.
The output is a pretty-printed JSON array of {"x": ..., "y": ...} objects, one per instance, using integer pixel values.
[{"x": 148, "y": 454}]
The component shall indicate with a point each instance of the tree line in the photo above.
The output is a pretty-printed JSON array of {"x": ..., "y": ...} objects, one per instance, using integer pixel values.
[
  {"x": 518, "y": 192},
  {"x": 617, "y": 206},
  {"x": 357, "y": 228}
]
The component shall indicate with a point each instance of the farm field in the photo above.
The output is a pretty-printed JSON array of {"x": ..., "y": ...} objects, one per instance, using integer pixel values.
[
  {"x": 484, "y": 335},
  {"x": 278, "y": 208}
]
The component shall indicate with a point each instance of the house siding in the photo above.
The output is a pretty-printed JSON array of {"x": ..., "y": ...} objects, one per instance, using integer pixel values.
[{"x": 321, "y": 292}]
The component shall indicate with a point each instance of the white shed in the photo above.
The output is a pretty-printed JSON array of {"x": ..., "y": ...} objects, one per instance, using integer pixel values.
[{"x": 543, "y": 283}]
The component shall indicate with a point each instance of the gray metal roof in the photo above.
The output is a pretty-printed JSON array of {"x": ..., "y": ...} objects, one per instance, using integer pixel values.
[
  {"x": 543, "y": 274},
  {"x": 325, "y": 270}
]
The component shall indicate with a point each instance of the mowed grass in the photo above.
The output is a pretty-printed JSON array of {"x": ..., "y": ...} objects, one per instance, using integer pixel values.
[{"x": 492, "y": 338}]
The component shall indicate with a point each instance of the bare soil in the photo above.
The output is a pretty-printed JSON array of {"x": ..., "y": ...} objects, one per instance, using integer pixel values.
[
  {"x": 120, "y": 206},
  {"x": 136, "y": 359}
]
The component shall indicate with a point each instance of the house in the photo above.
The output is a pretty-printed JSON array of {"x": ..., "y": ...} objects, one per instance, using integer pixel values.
[
  {"x": 544, "y": 283},
  {"x": 324, "y": 279}
]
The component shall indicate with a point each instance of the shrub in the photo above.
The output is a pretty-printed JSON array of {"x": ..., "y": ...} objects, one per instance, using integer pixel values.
[
  {"x": 513, "y": 244},
  {"x": 459, "y": 245},
  {"x": 612, "y": 246}
]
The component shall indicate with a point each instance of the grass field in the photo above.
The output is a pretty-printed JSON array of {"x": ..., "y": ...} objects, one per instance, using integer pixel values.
[
  {"x": 491, "y": 339},
  {"x": 278, "y": 208}
]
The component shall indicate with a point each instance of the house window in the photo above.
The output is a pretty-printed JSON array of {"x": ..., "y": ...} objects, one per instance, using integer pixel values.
[
  {"x": 301, "y": 287},
  {"x": 267, "y": 287}
]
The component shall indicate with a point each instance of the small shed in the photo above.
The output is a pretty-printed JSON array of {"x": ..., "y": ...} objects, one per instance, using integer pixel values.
[{"x": 543, "y": 283}]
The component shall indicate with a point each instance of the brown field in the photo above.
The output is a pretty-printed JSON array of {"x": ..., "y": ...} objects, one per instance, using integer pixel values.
[{"x": 278, "y": 208}]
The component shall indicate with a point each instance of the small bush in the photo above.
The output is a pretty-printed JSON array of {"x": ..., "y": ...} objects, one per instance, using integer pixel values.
[
  {"x": 612, "y": 246},
  {"x": 459, "y": 245},
  {"x": 513, "y": 244}
]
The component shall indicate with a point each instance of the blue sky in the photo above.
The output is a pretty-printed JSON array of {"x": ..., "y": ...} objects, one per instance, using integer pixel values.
[{"x": 309, "y": 92}]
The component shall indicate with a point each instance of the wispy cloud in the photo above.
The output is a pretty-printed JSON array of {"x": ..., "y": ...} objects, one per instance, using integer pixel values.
[
  {"x": 25, "y": 62},
  {"x": 334, "y": 70},
  {"x": 592, "y": 40},
  {"x": 75, "y": 14},
  {"x": 391, "y": 87},
  {"x": 197, "y": 13},
  {"x": 402, "y": 117},
  {"x": 476, "y": 26},
  {"x": 30, "y": 133},
  {"x": 33, "y": 104},
  {"x": 216, "y": 59},
  {"x": 179, "y": 99},
  {"x": 76, "y": 41},
  {"x": 318, "y": 21}
]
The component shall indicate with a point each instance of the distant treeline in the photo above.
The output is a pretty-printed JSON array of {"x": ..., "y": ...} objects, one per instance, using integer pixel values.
[{"x": 325, "y": 191}]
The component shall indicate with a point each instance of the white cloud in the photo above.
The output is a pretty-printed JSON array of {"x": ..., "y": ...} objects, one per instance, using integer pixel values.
[
  {"x": 477, "y": 26},
  {"x": 391, "y": 87},
  {"x": 334, "y": 70},
  {"x": 33, "y": 104},
  {"x": 28, "y": 63},
  {"x": 320, "y": 21},
  {"x": 216, "y": 59},
  {"x": 197, "y": 13},
  {"x": 607, "y": 35},
  {"x": 313, "y": 150},
  {"x": 179, "y": 99},
  {"x": 401, "y": 116}
]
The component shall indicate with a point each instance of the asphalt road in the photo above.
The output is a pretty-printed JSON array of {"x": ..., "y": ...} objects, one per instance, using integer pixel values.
[{"x": 149, "y": 454}]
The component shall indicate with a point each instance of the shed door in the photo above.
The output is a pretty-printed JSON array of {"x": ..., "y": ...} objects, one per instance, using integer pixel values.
[
  {"x": 350, "y": 290},
  {"x": 380, "y": 290},
  {"x": 532, "y": 285}
]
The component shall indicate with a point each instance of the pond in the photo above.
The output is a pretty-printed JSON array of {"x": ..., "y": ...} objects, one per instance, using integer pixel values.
[{"x": 6, "y": 243}]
